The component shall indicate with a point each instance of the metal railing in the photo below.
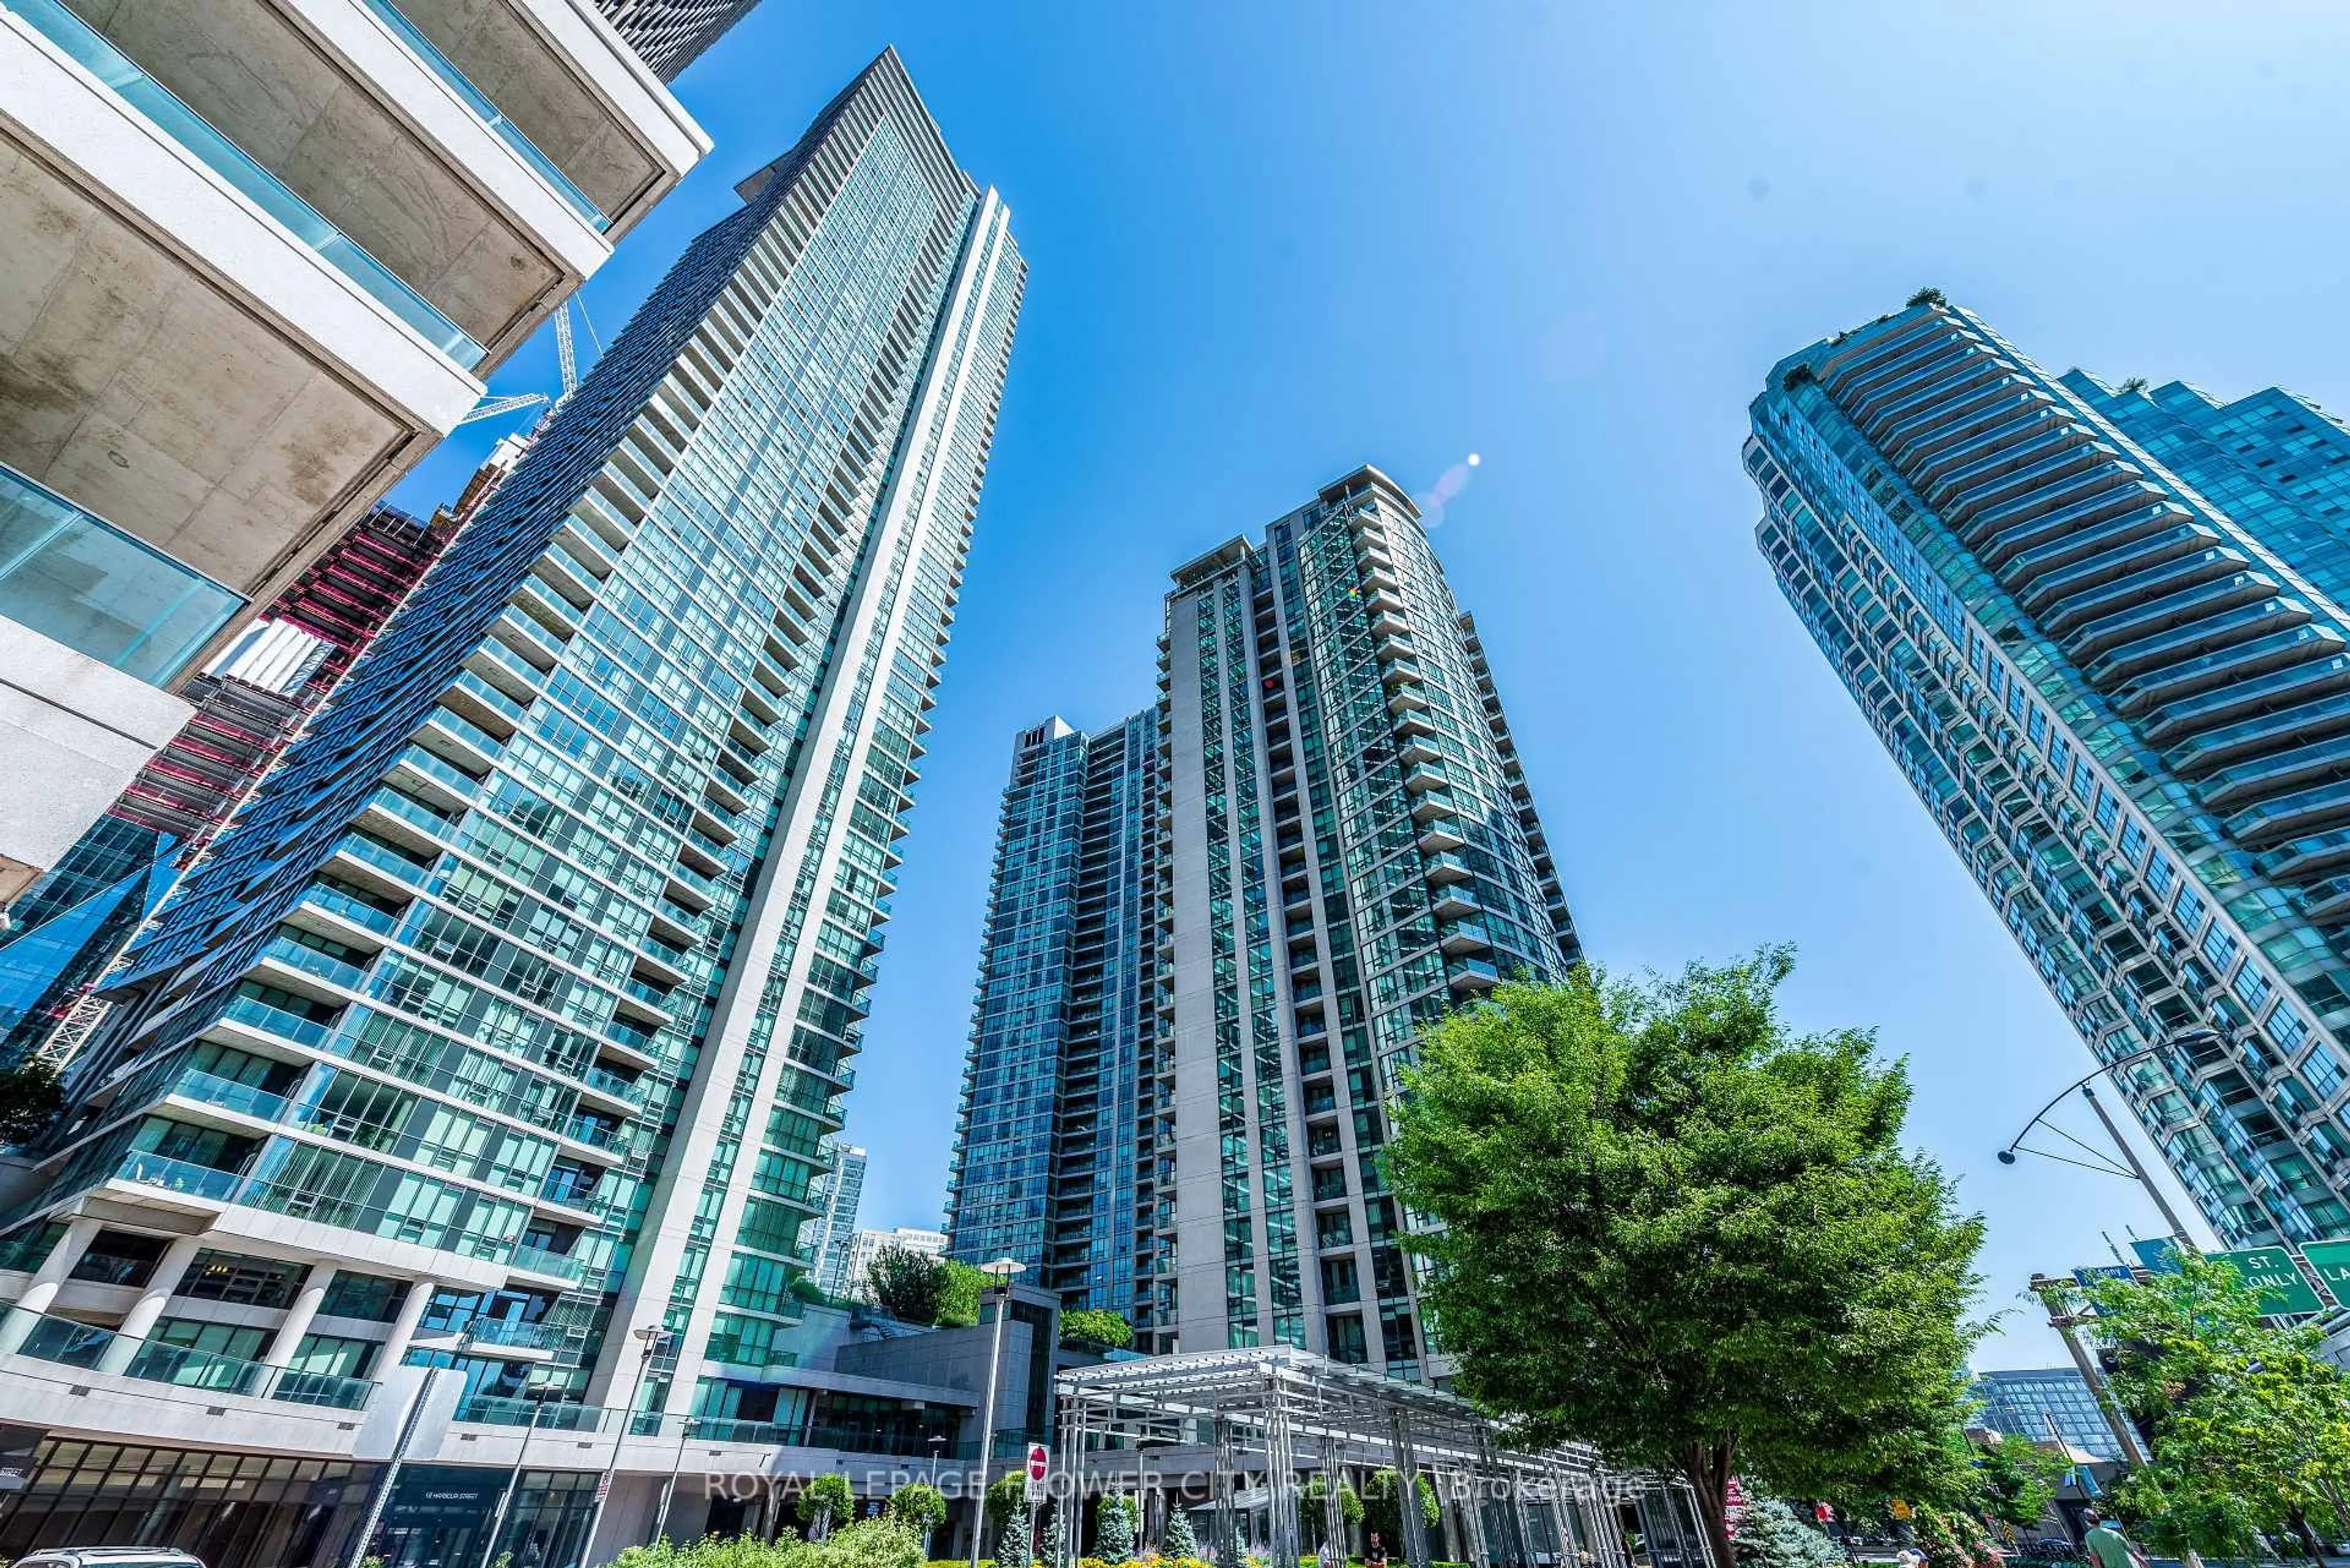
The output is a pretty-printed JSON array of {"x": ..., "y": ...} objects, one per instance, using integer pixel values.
[{"x": 65, "y": 1342}]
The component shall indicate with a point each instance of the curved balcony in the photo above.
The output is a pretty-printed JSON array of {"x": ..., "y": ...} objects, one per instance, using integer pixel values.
[
  {"x": 2265, "y": 733},
  {"x": 2267, "y": 615},
  {"x": 2259, "y": 652},
  {"x": 2261, "y": 694},
  {"x": 2292, "y": 815},
  {"x": 2155, "y": 583},
  {"x": 2267, "y": 776},
  {"x": 2114, "y": 514}
]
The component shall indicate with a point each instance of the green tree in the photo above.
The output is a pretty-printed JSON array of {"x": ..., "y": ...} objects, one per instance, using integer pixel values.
[
  {"x": 1315, "y": 1511},
  {"x": 823, "y": 1501},
  {"x": 1383, "y": 1517},
  {"x": 1674, "y": 1227},
  {"x": 2249, "y": 1424},
  {"x": 1114, "y": 1528},
  {"x": 1012, "y": 1548},
  {"x": 919, "y": 1506},
  {"x": 909, "y": 1286},
  {"x": 1769, "y": 1535},
  {"x": 30, "y": 1101},
  {"x": 1095, "y": 1329},
  {"x": 1177, "y": 1541},
  {"x": 1006, "y": 1497},
  {"x": 959, "y": 1294},
  {"x": 2016, "y": 1482}
]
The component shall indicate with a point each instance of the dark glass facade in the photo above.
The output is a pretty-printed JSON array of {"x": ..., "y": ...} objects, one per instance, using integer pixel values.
[{"x": 1050, "y": 1155}]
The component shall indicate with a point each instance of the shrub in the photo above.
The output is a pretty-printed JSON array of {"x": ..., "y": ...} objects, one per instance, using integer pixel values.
[
  {"x": 1006, "y": 1498},
  {"x": 1929, "y": 295},
  {"x": 906, "y": 1285},
  {"x": 824, "y": 1500},
  {"x": 919, "y": 1505},
  {"x": 884, "y": 1542},
  {"x": 1095, "y": 1329},
  {"x": 1177, "y": 1541},
  {"x": 1114, "y": 1529},
  {"x": 959, "y": 1294},
  {"x": 1769, "y": 1535}
]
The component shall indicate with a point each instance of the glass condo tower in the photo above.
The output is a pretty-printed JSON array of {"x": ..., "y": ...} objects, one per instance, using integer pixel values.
[
  {"x": 1337, "y": 846},
  {"x": 2101, "y": 629},
  {"x": 526, "y": 991}
]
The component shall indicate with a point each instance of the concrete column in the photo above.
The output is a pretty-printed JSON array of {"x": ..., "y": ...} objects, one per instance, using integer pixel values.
[
  {"x": 403, "y": 1327},
  {"x": 130, "y": 1334},
  {"x": 312, "y": 1295},
  {"x": 42, "y": 1289}
]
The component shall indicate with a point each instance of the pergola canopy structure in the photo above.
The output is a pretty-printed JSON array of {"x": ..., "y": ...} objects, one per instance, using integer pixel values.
[{"x": 1214, "y": 1416}]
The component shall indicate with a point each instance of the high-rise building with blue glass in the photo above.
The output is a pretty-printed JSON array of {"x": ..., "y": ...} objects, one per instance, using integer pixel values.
[
  {"x": 1175, "y": 1099},
  {"x": 2101, "y": 630},
  {"x": 1053, "y": 1132},
  {"x": 514, "y": 1013}
]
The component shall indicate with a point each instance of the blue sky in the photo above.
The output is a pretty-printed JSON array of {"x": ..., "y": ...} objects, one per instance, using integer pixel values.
[{"x": 1270, "y": 243}]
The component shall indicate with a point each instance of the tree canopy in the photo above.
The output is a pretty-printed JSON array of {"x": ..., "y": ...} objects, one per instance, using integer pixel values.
[
  {"x": 825, "y": 1500},
  {"x": 906, "y": 1285},
  {"x": 2249, "y": 1424},
  {"x": 1095, "y": 1329},
  {"x": 1672, "y": 1226}
]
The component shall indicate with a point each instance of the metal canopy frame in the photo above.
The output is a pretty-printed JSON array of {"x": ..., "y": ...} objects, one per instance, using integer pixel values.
[{"x": 1288, "y": 1411}]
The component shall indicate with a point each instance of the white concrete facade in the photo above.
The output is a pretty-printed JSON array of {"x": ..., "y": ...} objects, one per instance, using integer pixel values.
[{"x": 262, "y": 256}]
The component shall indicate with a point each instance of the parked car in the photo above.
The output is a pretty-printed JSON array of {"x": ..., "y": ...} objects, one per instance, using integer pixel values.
[{"x": 109, "y": 1557}]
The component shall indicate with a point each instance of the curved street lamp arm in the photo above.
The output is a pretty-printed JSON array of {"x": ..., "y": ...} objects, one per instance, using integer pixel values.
[{"x": 2102, "y": 1068}]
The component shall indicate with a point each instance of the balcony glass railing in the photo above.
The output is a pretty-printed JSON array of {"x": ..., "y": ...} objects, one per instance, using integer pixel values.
[
  {"x": 177, "y": 1176},
  {"x": 212, "y": 1089},
  {"x": 466, "y": 729},
  {"x": 255, "y": 1013},
  {"x": 456, "y": 779},
  {"x": 77, "y": 580},
  {"x": 343, "y": 906},
  {"x": 414, "y": 812},
  {"x": 196, "y": 136},
  {"x": 614, "y": 1084},
  {"x": 65, "y": 1342},
  {"x": 382, "y": 858},
  {"x": 487, "y": 112},
  {"x": 539, "y": 1261},
  {"x": 310, "y": 961}
]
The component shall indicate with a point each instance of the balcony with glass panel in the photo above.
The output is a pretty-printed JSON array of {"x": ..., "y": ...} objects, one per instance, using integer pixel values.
[{"x": 77, "y": 580}]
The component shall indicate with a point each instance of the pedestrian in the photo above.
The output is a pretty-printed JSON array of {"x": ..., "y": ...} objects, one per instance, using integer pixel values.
[
  {"x": 2108, "y": 1547},
  {"x": 1375, "y": 1556}
]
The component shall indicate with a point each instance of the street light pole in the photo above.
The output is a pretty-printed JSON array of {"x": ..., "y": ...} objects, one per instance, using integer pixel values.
[
  {"x": 2129, "y": 1158},
  {"x": 676, "y": 1463},
  {"x": 2051, "y": 1294},
  {"x": 1003, "y": 1270},
  {"x": 407, "y": 1425},
  {"x": 514, "y": 1481},
  {"x": 652, "y": 1339},
  {"x": 2135, "y": 1168}
]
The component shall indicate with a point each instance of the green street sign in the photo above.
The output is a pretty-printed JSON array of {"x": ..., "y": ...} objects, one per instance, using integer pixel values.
[
  {"x": 2330, "y": 1260},
  {"x": 2269, "y": 1270}
]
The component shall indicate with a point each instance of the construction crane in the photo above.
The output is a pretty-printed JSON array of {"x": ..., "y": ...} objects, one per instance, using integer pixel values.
[{"x": 567, "y": 363}]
